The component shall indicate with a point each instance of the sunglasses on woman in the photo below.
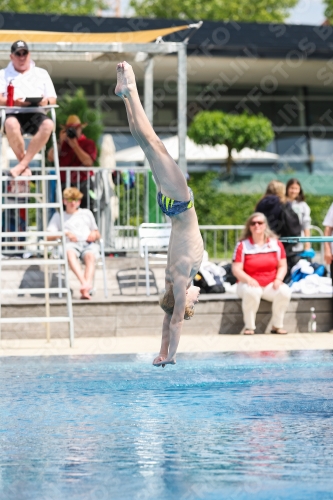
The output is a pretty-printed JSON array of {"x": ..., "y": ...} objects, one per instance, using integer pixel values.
[{"x": 255, "y": 222}]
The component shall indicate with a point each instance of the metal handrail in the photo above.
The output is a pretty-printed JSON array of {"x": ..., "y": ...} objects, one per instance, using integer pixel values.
[
  {"x": 321, "y": 233},
  {"x": 226, "y": 228},
  {"x": 237, "y": 228},
  {"x": 119, "y": 223}
]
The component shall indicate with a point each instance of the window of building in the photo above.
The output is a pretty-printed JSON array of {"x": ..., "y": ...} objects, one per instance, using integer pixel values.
[
  {"x": 317, "y": 112},
  {"x": 292, "y": 145},
  {"x": 322, "y": 153}
]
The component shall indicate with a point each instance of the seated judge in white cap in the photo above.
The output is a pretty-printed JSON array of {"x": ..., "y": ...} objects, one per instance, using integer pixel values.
[{"x": 27, "y": 81}]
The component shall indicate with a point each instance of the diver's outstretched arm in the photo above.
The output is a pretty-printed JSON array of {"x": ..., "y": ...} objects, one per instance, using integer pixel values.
[
  {"x": 176, "y": 322},
  {"x": 164, "y": 351}
]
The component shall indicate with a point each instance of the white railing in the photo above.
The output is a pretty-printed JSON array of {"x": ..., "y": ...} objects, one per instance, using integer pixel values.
[
  {"x": 120, "y": 203},
  {"x": 120, "y": 200},
  {"x": 221, "y": 240}
]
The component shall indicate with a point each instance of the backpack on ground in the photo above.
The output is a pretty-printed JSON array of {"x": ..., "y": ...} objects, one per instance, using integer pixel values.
[{"x": 200, "y": 281}]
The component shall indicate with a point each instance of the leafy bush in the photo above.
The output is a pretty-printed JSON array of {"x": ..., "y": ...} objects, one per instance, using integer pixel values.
[
  {"x": 77, "y": 104},
  {"x": 216, "y": 208},
  {"x": 213, "y": 207}
]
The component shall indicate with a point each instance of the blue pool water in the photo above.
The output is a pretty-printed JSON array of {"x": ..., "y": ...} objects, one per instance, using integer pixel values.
[{"x": 226, "y": 426}]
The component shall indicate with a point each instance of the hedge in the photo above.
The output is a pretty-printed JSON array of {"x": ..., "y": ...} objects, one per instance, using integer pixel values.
[{"x": 216, "y": 208}]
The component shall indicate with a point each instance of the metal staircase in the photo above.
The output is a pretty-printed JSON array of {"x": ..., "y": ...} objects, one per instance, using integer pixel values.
[{"x": 40, "y": 203}]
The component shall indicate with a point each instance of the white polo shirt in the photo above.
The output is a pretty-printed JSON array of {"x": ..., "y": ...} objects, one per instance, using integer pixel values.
[{"x": 35, "y": 82}]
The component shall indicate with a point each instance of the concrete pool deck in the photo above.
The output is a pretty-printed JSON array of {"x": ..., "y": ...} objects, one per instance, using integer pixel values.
[{"x": 90, "y": 346}]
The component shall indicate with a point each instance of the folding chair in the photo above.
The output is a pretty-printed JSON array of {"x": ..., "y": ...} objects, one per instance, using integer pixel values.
[
  {"x": 129, "y": 280},
  {"x": 153, "y": 239}
]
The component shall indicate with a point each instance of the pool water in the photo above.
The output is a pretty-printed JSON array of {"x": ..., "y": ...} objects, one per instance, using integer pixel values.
[{"x": 225, "y": 426}]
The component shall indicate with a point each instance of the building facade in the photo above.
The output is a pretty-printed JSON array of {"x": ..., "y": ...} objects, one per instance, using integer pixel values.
[{"x": 284, "y": 72}]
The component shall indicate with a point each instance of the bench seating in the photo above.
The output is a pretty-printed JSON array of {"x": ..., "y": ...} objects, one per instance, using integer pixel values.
[{"x": 141, "y": 315}]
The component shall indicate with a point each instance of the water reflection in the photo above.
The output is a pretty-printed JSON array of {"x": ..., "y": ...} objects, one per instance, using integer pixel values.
[{"x": 243, "y": 426}]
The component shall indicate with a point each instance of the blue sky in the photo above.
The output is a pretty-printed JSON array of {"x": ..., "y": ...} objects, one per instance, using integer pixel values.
[{"x": 306, "y": 12}]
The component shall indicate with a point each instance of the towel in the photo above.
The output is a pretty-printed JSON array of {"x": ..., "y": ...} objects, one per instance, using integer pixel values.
[
  {"x": 312, "y": 284},
  {"x": 304, "y": 266}
]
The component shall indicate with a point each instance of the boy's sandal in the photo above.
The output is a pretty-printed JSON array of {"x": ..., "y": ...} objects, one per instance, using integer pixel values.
[
  {"x": 279, "y": 331},
  {"x": 247, "y": 331}
]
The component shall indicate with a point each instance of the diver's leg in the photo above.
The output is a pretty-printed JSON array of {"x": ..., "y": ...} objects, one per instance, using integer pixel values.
[
  {"x": 170, "y": 177},
  {"x": 137, "y": 137}
]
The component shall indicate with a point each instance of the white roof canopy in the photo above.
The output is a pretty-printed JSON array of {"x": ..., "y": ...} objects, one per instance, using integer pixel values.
[{"x": 196, "y": 153}]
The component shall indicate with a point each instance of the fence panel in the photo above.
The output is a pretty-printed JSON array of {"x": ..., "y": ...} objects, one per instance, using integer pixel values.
[
  {"x": 220, "y": 241},
  {"x": 120, "y": 202},
  {"x": 117, "y": 199}
]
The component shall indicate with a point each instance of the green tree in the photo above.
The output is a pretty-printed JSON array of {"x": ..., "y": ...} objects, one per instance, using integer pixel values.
[
  {"x": 76, "y": 7},
  {"x": 77, "y": 104},
  {"x": 329, "y": 10},
  {"x": 266, "y": 11},
  {"x": 235, "y": 131}
]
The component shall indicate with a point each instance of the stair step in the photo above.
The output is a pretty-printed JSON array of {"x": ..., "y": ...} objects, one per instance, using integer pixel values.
[
  {"x": 11, "y": 206},
  {"x": 26, "y": 234},
  {"x": 23, "y": 291},
  {"x": 53, "y": 319},
  {"x": 29, "y": 178},
  {"x": 31, "y": 262}
]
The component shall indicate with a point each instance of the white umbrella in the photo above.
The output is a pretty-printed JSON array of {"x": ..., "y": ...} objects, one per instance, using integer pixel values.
[
  {"x": 108, "y": 162},
  {"x": 4, "y": 153},
  {"x": 195, "y": 153},
  {"x": 108, "y": 150}
]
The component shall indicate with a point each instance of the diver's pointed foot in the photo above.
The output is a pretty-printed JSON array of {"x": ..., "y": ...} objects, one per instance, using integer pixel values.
[{"x": 125, "y": 79}]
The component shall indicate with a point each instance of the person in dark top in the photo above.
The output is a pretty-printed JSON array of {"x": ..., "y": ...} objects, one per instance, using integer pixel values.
[
  {"x": 76, "y": 150},
  {"x": 281, "y": 218},
  {"x": 271, "y": 205}
]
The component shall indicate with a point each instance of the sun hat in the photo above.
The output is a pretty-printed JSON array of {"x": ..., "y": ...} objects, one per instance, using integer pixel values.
[{"x": 74, "y": 121}]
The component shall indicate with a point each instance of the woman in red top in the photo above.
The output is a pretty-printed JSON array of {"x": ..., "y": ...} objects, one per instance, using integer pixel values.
[{"x": 260, "y": 265}]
